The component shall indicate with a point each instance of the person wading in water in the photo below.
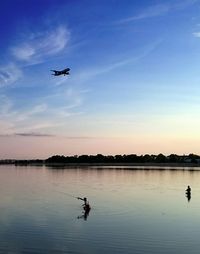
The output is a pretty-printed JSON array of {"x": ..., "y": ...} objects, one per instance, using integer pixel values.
[{"x": 86, "y": 205}]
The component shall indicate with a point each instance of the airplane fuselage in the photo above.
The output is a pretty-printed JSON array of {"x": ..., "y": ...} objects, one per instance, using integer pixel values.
[{"x": 63, "y": 72}]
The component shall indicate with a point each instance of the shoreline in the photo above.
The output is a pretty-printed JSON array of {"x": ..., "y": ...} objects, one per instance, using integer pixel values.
[{"x": 179, "y": 165}]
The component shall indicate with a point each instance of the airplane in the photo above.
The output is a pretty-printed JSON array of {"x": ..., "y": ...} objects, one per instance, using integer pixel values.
[{"x": 63, "y": 72}]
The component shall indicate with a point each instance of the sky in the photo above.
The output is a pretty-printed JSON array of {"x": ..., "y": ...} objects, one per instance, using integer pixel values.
[{"x": 134, "y": 84}]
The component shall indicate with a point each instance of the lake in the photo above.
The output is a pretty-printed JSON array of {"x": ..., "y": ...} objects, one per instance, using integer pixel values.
[{"x": 134, "y": 210}]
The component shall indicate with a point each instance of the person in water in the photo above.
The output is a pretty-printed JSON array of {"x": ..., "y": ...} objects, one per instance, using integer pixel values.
[
  {"x": 188, "y": 190},
  {"x": 86, "y": 205}
]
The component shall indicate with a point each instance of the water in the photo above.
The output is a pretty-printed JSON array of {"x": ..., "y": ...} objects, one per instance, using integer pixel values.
[{"x": 133, "y": 211}]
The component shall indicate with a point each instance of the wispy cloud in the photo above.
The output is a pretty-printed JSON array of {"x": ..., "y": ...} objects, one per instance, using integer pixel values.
[
  {"x": 81, "y": 137},
  {"x": 43, "y": 135},
  {"x": 40, "y": 118},
  {"x": 27, "y": 134},
  {"x": 61, "y": 81},
  {"x": 196, "y": 34},
  {"x": 88, "y": 74},
  {"x": 15, "y": 121},
  {"x": 25, "y": 115},
  {"x": 152, "y": 11},
  {"x": 9, "y": 74},
  {"x": 33, "y": 134},
  {"x": 6, "y": 127},
  {"x": 41, "y": 45},
  {"x": 36, "y": 49},
  {"x": 158, "y": 10},
  {"x": 5, "y": 105},
  {"x": 181, "y": 4}
]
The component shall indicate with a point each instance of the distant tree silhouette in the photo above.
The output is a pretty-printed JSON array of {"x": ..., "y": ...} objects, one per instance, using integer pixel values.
[
  {"x": 147, "y": 158},
  {"x": 174, "y": 158},
  {"x": 161, "y": 158},
  {"x": 193, "y": 157},
  {"x": 99, "y": 158}
]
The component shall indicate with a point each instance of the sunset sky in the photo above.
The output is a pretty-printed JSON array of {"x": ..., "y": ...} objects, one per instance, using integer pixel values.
[{"x": 134, "y": 84}]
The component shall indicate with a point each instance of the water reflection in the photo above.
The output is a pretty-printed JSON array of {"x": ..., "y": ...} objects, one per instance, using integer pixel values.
[
  {"x": 188, "y": 193},
  {"x": 135, "y": 211},
  {"x": 188, "y": 196},
  {"x": 84, "y": 215}
]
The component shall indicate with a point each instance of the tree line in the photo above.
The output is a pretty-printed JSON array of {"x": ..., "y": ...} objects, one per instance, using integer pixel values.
[
  {"x": 130, "y": 158},
  {"x": 111, "y": 159}
]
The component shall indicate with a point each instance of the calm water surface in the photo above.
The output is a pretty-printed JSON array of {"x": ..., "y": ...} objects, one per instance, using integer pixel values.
[{"x": 133, "y": 211}]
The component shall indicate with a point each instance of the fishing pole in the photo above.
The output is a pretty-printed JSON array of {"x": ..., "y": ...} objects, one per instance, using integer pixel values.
[{"x": 68, "y": 194}]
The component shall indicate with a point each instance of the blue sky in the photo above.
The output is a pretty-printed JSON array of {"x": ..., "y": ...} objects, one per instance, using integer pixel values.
[{"x": 134, "y": 82}]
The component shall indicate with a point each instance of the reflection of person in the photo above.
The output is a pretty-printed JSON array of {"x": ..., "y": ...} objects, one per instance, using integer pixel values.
[
  {"x": 188, "y": 193},
  {"x": 84, "y": 215}
]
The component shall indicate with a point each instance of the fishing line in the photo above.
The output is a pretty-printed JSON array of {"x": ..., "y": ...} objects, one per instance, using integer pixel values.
[{"x": 68, "y": 194}]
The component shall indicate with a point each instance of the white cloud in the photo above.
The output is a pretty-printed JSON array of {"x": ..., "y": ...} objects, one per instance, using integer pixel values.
[
  {"x": 196, "y": 34},
  {"x": 40, "y": 118},
  {"x": 90, "y": 73},
  {"x": 183, "y": 4},
  {"x": 5, "y": 105},
  {"x": 9, "y": 114},
  {"x": 9, "y": 74},
  {"x": 73, "y": 99},
  {"x": 33, "y": 50},
  {"x": 33, "y": 134},
  {"x": 42, "y": 45},
  {"x": 16, "y": 120},
  {"x": 39, "y": 126},
  {"x": 61, "y": 81},
  {"x": 24, "y": 53},
  {"x": 149, "y": 12},
  {"x": 158, "y": 10},
  {"x": 36, "y": 110},
  {"x": 6, "y": 126}
]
